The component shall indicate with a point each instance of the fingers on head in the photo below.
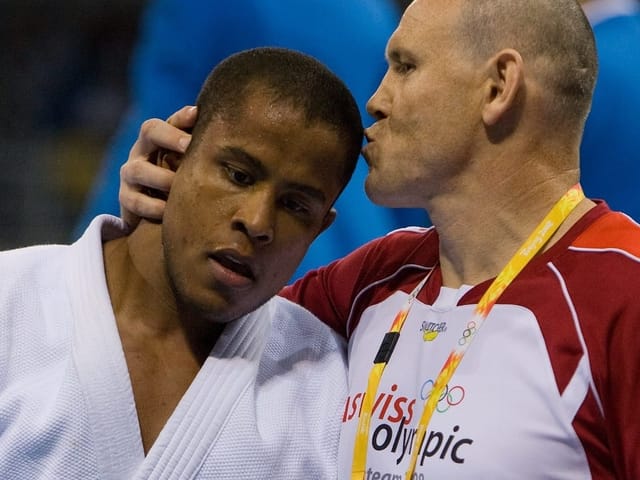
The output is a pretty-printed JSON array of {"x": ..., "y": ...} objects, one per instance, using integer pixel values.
[
  {"x": 183, "y": 118},
  {"x": 136, "y": 204}
]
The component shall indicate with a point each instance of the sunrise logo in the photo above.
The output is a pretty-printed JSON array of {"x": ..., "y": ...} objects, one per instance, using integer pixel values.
[{"x": 430, "y": 330}]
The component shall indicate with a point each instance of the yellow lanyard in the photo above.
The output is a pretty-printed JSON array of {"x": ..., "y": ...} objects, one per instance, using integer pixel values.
[{"x": 527, "y": 251}]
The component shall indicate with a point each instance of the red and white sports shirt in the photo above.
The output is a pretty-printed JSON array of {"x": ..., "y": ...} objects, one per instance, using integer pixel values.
[{"x": 548, "y": 389}]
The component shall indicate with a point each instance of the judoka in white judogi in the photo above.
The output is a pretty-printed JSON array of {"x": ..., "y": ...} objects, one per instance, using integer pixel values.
[{"x": 266, "y": 403}]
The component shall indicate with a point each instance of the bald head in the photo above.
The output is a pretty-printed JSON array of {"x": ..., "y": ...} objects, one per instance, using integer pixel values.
[{"x": 554, "y": 38}]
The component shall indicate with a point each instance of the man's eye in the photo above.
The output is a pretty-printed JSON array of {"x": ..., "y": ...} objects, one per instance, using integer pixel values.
[
  {"x": 403, "y": 68},
  {"x": 238, "y": 176}
]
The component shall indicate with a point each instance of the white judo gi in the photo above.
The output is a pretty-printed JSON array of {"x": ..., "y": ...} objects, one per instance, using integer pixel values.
[{"x": 267, "y": 402}]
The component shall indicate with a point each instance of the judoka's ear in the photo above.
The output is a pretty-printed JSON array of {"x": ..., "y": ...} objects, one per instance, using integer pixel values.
[
  {"x": 169, "y": 159},
  {"x": 328, "y": 219}
]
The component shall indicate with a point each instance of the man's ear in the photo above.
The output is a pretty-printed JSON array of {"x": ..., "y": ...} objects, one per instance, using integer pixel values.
[
  {"x": 328, "y": 219},
  {"x": 505, "y": 81},
  {"x": 169, "y": 159}
]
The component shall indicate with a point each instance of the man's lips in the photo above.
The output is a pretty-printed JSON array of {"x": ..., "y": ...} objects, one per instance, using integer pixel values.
[
  {"x": 366, "y": 149},
  {"x": 365, "y": 155},
  {"x": 368, "y": 134},
  {"x": 232, "y": 268}
]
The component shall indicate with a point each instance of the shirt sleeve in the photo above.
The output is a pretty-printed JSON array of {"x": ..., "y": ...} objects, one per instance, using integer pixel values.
[
  {"x": 341, "y": 291},
  {"x": 329, "y": 292}
]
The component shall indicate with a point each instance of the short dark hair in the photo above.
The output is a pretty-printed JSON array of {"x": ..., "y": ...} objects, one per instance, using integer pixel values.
[
  {"x": 555, "y": 33},
  {"x": 291, "y": 77}
]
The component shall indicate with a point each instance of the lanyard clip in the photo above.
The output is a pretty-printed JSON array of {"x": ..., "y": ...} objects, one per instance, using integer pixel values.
[{"x": 386, "y": 347}]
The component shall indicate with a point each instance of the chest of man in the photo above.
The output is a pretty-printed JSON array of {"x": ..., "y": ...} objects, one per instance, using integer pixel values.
[{"x": 501, "y": 415}]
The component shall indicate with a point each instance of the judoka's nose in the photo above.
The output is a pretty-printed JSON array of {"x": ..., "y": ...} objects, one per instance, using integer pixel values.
[{"x": 256, "y": 216}]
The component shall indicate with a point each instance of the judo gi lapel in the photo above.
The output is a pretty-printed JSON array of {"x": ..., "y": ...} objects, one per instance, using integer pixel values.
[
  {"x": 99, "y": 358},
  {"x": 207, "y": 406}
]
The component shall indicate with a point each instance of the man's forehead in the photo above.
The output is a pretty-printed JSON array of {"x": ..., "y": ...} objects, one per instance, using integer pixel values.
[
  {"x": 404, "y": 37},
  {"x": 430, "y": 13},
  {"x": 422, "y": 18}
]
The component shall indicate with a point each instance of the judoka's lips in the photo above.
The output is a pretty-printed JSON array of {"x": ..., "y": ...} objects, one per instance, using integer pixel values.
[{"x": 232, "y": 269}]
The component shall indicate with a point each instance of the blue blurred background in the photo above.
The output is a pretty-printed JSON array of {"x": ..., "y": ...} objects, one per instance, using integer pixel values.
[
  {"x": 63, "y": 88},
  {"x": 67, "y": 84}
]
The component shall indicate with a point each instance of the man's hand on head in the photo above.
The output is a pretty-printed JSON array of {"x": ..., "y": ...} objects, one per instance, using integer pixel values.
[{"x": 142, "y": 175}]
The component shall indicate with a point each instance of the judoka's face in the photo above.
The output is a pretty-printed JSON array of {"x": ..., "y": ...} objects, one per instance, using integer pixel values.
[{"x": 246, "y": 202}]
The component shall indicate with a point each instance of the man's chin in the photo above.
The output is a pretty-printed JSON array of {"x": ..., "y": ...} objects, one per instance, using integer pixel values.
[
  {"x": 389, "y": 196},
  {"x": 378, "y": 195}
]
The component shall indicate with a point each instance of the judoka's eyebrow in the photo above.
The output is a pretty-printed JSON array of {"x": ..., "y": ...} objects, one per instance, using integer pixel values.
[
  {"x": 255, "y": 164},
  {"x": 261, "y": 172}
]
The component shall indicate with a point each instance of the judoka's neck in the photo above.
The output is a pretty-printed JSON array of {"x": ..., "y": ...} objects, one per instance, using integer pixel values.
[
  {"x": 142, "y": 299},
  {"x": 164, "y": 347}
]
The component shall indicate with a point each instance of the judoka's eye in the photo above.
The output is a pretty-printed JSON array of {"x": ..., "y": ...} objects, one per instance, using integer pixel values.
[
  {"x": 238, "y": 176},
  {"x": 295, "y": 205}
]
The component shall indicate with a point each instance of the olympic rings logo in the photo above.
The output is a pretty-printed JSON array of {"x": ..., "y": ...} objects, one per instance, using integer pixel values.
[
  {"x": 467, "y": 333},
  {"x": 450, "y": 397}
]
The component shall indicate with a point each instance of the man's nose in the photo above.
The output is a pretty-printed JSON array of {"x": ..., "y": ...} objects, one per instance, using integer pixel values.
[
  {"x": 256, "y": 217},
  {"x": 379, "y": 103}
]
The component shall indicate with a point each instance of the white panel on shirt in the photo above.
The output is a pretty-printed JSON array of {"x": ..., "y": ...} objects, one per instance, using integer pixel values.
[{"x": 501, "y": 417}]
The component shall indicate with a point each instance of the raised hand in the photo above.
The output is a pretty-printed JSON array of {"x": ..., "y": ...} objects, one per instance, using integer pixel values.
[{"x": 145, "y": 181}]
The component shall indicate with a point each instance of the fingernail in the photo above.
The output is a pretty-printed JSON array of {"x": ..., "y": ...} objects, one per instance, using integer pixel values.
[
  {"x": 184, "y": 142},
  {"x": 192, "y": 110}
]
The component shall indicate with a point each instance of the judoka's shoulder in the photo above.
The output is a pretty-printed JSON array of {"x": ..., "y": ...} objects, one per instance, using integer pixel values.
[
  {"x": 46, "y": 263},
  {"x": 30, "y": 263},
  {"x": 33, "y": 330},
  {"x": 284, "y": 312},
  {"x": 29, "y": 276},
  {"x": 294, "y": 324}
]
